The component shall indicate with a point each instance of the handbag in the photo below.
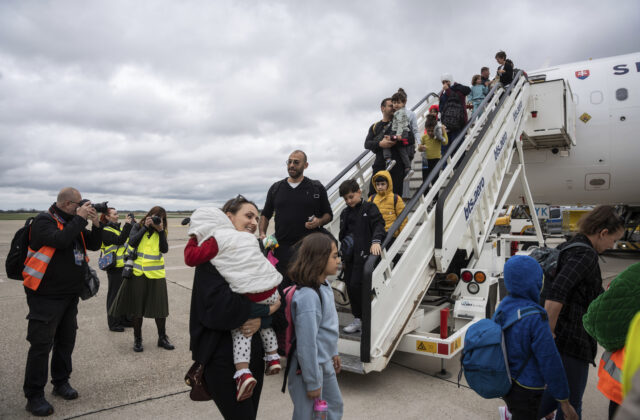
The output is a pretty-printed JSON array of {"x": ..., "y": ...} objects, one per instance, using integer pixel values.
[
  {"x": 91, "y": 283},
  {"x": 106, "y": 261},
  {"x": 195, "y": 379}
]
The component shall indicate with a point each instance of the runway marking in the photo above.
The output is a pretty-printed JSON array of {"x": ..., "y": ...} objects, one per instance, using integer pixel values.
[
  {"x": 128, "y": 404},
  {"x": 178, "y": 246}
]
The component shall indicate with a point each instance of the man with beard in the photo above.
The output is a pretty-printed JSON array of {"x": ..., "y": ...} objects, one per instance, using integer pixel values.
[
  {"x": 53, "y": 279},
  {"x": 301, "y": 207},
  {"x": 377, "y": 140}
]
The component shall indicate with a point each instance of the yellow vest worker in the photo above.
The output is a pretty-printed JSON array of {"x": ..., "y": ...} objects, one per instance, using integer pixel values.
[
  {"x": 119, "y": 250},
  {"x": 149, "y": 261},
  {"x": 143, "y": 293}
]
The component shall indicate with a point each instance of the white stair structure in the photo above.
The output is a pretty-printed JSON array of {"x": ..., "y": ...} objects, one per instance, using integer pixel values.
[{"x": 463, "y": 196}]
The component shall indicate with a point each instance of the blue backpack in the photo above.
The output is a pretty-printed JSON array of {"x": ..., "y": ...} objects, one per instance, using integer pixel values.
[{"x": 484, "y": 358}]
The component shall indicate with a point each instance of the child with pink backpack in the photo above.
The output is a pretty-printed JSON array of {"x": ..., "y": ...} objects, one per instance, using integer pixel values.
[{"x": 312, "y": 335}]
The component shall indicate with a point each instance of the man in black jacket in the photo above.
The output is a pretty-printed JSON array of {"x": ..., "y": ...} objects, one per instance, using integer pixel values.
[
  {"x": 53, "y": 300},
  {"x": 361, "y": 230},
  {"x": 376, "y": 141}
]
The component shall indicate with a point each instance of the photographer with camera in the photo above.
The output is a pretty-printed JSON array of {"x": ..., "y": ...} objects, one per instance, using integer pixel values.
[
  {"x": 144, "y": 287},
  {"x": 114, "y": 241},
  {"x": 54, "y": 276}
]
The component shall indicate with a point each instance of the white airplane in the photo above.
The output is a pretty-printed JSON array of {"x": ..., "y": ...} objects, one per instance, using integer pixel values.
[{"x": 602, "y": 166}]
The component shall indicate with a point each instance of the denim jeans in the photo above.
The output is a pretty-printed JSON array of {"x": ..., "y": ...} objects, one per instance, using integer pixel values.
[{"x": 577, "y": 373}]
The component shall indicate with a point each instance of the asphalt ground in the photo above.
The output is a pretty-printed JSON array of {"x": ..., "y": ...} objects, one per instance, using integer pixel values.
[{"x": 114, "y": 382}]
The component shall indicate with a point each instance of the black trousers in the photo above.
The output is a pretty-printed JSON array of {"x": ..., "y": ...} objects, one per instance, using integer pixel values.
[
  {"x": 426, "y": 171},
  {"x": 52, "y": 325},
  {"x": 523, "y": 403},
  {"x": 115, "y": 280},
  {"x": 218, "y": 375},
  {"x": 353, "y": 279}
]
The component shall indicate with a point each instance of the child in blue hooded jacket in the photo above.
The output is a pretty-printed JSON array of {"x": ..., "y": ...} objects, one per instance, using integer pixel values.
[{"x": 530, "y": 347}]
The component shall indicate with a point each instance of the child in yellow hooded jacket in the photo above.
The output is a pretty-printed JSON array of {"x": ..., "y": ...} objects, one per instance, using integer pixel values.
[{"x": 389, "y": 204}]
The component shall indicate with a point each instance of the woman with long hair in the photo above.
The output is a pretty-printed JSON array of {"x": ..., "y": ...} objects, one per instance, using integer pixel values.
[{"x": 144, "y": 294}]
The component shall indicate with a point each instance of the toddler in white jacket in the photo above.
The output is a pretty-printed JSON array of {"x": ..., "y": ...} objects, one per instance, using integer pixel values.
[{"x": 240, "y": 261}]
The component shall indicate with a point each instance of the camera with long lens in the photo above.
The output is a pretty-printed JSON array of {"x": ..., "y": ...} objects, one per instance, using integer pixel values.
[
  {"x": 100, "y": 207},
  {"x": 156, "y": 220},
  {"x": 129, "y": 257}
]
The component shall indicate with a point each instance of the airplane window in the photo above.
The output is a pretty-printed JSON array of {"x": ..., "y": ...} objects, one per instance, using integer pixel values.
[
  {"x": 622, "y": 94},
  {"x": 596, "y": 97},
  {"x": 576, "y": 99}
]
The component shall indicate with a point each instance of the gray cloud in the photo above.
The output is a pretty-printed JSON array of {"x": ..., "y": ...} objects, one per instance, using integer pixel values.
[{"x": 180, "y": 103}]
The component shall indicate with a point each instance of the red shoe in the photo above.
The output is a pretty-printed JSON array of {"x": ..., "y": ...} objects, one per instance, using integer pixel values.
[
  {"x": 273, "y": 367},
  {"x": 244, "y": 386}
]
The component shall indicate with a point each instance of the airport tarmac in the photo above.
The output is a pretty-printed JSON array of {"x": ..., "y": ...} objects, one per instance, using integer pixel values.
[{"x": 114, "y": 382}]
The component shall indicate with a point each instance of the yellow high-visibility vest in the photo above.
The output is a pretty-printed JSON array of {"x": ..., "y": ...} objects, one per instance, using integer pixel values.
[
  {"x": 119, "y": 250},
  {"x": 149, "y": 261},
  {"x": 632, "y": 354}
]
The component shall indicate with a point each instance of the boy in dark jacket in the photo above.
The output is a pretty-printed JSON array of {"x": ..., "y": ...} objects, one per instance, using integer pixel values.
[
  {"x": 361, "y": 233},
  {"x": 534, "y": 360}
]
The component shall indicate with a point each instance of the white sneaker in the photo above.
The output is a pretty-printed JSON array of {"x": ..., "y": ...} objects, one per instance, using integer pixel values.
[{"x": 355, "y": 326}]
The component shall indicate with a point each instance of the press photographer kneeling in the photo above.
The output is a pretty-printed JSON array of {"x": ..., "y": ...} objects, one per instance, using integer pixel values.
[{"x": 144, "y": 287}]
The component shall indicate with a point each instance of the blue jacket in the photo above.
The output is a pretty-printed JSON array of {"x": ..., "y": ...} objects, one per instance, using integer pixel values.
[
  {"x": 478, "y": 92},
  {"x": 532, "y": 334},
  {"x": 316, "y": 326}
]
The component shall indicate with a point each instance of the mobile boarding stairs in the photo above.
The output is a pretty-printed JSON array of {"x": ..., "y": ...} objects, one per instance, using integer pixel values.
[{"x": 464, "y": 193}]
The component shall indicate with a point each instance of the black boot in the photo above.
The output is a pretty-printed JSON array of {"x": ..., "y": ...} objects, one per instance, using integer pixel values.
[
  {"x": 38, "y": 406},
  {"x": 137, "y": 344},
  {"x": 163, "y": 341},
  {"x": 65, "y": 391}
]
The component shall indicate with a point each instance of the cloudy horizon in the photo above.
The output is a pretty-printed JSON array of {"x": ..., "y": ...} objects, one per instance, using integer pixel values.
[{"x": 185, "y": 103}]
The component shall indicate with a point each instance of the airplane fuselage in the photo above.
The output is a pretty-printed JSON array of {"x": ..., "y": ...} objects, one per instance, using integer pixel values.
[{"x": 606, "y": 93}]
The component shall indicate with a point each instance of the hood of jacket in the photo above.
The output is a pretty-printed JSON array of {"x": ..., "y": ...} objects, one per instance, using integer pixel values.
[
  {"x": 387, "y": 176},
  {"x": 523, "y": 277},
  {"x": 207, "y": 221}
]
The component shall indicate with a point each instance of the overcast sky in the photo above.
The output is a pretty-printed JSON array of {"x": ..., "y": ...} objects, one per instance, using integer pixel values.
[{"x": 181, "y": 103}]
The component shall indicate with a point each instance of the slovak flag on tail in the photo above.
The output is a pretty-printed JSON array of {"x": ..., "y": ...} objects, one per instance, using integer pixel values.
[{"x": 582, "y": 74}]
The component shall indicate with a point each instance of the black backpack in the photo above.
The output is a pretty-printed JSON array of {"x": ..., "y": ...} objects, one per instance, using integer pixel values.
[
  {"x": 453, "y": 113},
  {"x": 18, "y": 251},
  {"x": 549, "y": 260}
]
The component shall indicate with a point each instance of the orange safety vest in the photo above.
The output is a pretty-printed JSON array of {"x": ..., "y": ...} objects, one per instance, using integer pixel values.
[
  {"x": 37, "y": 261},
  {"x": 610, "y": 375}
]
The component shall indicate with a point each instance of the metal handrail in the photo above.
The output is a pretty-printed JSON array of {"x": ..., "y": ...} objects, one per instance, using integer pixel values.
[
  {"x": 445, "y": 194},
  {"x": 372, "y": 260},
  {"x": 345, "y": 170}
]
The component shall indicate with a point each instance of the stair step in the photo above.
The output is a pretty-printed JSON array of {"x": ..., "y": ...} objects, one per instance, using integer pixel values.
[
  {"x": 351, "y": 337},
  {"x": 351, "y": 363}
]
